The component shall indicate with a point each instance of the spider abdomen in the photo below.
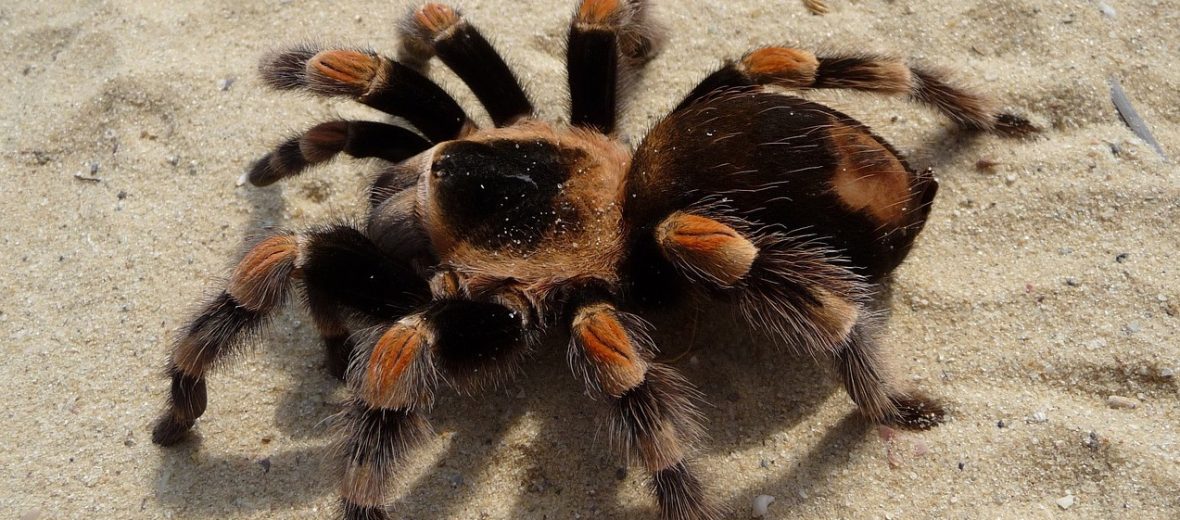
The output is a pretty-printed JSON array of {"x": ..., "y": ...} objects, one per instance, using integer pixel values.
[{"x": 782, "y": 161}]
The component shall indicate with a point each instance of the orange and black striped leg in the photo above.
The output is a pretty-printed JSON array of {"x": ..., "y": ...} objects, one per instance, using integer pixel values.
[
  {"x": 393, "y": 381},
  {"x": 360, "y": 139},
  {"x": 862, "y": 369},
  {"x": 373, "y": 80},
  {"x": 800, "y": 69},
  {"x": 257, "y": 287},
  {"x": 608, "y": 41},
  {"x": 784, "y": 285},
  {"x": 341, "y": 269},
  {"x": 653, "y": 408},
  {"x": 790, "y": 288},
  {"x": 440, "y": 30}
]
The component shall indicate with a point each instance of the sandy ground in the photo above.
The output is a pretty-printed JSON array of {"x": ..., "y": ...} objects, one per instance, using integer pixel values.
[{"x": 1040, "y": 288}]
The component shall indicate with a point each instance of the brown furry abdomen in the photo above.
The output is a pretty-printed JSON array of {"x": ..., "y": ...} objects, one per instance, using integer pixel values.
[{"x": 775, "y": 159}]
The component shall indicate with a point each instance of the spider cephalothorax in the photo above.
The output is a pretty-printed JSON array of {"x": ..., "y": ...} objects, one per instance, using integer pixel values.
[{"x": 478, "y": 240}]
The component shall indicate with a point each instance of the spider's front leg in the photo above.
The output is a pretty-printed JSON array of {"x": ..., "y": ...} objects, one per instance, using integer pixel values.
[
  {"x": 791, "y": 288},
  {"x": 652, "y": 405},
  {"x": 392, "y": 381},
  {"x": 371, "y": 79},
  {"x": 323, "y": 142},
  {"x": 339, "y": 267}
]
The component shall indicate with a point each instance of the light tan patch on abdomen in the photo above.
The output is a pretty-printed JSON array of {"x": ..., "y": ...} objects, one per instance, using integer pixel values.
[{"x": 868, "y": 177}]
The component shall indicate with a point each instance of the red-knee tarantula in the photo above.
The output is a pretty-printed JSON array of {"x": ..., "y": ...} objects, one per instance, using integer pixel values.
[{"x": 480, "y": 239}]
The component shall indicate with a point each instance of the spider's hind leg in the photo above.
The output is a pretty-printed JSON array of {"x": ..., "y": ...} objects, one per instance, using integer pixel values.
[
  {"x": 338, "y": 265},
  {"x": 801, "y": 69},
  {"x": 609, "y": 41},
  {"x": 864, "y": 372},
  {"x": 792, "y": 289}
]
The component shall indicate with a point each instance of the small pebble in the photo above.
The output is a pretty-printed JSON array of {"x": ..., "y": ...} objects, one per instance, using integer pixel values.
[
  {"x": 1107, "y": 10},
  {"x": 1065, "y": 502},
  {"x": 761, "y": 503},
  {"x": 1093, "y": 440},
  {"x": 265, "y": 463},
  {"x": 1039, "y": 417},
  {"x": 1167, "y": 373},
  {"x": 1122, "y": 257},
  {"x": 224, "y": 84},
  {"x": 1120, "y": 402},
  {"x": 1072, "y": 282}
]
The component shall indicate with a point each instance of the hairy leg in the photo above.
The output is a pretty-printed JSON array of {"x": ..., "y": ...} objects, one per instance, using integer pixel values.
[
  {"x": 321, "y": 143},
  {"x": 652, "y": 407},
  {"x": 340, "y": 267},
  {"x": 786, "y": 286},
  {"x": 373, "y": 80},
  {"x": 440, "y": 30},
  {"x": 801, "y": 69},
  {"x": 608, "y": 42},
  {"x": 879, "y": 395},
  {"x": 791, "y": 289}
]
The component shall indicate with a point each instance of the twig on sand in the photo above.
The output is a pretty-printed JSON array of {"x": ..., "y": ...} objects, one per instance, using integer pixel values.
[
  {"x": 1131, "y": 117},
  {"x": 818, "y": 7}
]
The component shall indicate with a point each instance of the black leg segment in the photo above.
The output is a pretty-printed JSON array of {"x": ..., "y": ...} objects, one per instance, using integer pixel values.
[
  {"x": 373, "y": 80},
  {"x": 441, "y": 30},
  {"x": 592, "y": 63},
  {"x": 321, "y": 143}
]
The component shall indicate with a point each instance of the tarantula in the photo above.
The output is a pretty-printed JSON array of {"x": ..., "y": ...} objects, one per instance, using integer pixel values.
[{"x": 478, "y": 240}]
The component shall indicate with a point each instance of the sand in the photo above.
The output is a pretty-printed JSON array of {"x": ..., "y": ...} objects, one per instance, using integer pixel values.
[{"x": 1040, "y": 288}]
